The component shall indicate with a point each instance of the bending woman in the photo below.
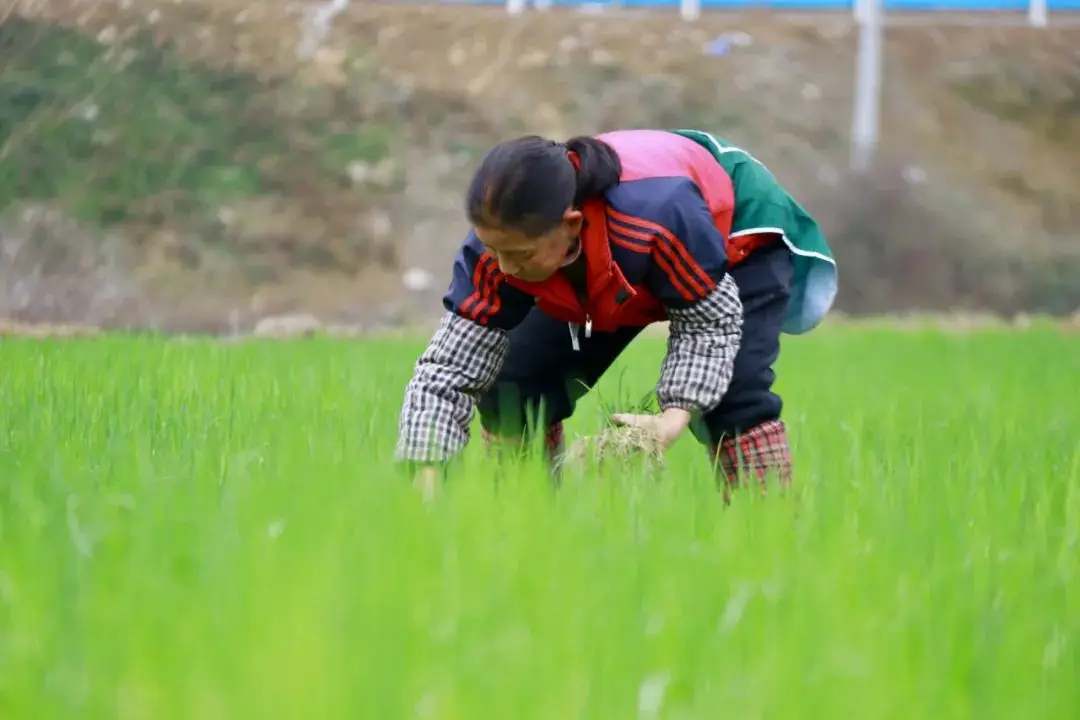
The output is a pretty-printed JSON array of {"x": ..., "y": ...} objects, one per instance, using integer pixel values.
[{"x": 577, "y": 247}]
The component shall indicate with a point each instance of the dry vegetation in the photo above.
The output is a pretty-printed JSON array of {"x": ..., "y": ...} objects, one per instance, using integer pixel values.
[{"x": 613, "y": 445}]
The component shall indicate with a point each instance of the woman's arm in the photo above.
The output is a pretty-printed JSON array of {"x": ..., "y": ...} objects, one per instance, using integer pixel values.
[
  {"x": 690, "y": 277},
  {"x": 462, "y": 359},
  {"x": 460, "y": 363},
  {"x": 703, "y": 339}
]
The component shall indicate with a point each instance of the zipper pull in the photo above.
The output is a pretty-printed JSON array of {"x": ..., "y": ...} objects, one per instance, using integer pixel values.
[
  {"x": 573, "y": 337},
  {"x": 588, "y": 326}
]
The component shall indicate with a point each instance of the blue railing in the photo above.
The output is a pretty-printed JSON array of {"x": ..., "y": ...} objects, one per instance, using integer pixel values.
[{"x": 808, "y": 5}]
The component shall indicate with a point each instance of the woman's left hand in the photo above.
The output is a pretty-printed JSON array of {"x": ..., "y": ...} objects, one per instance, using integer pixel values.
[{"x": 665, "y": 427}]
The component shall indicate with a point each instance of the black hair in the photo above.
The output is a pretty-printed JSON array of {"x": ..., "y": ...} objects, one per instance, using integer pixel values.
[{"x": 526, "y": 184}]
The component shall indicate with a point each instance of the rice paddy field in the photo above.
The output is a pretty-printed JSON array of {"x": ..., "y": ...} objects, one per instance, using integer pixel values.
[{"x": 205, "y": 530}]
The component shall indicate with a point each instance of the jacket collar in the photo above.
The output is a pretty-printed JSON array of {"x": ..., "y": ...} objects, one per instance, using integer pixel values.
[{"x": 599, "y": 264}]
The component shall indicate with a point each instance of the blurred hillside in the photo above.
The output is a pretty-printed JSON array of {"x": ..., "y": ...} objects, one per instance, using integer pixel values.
[{"x": 198, "y": 164}]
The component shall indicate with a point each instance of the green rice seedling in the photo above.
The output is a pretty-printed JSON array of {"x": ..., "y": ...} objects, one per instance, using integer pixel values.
[{"x": 208, "y": 530}]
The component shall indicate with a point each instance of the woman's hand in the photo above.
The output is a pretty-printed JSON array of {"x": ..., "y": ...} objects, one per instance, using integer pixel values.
[
  {"x": 665, "y": 427},
  {"x": 426, "y": 482}
]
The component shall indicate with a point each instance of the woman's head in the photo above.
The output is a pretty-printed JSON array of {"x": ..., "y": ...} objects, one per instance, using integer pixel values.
[{"x": 525, "y": 200}]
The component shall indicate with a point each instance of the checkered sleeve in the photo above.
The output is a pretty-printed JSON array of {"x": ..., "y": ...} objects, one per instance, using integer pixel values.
[
  {"x": 461, "y": 361},
  {"x": 689, "y": 275},
  {"x": 703, "y": 339}
]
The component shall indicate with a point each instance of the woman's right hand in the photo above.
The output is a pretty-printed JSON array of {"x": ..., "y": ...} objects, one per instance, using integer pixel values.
[{"x": 426, "y": 482}]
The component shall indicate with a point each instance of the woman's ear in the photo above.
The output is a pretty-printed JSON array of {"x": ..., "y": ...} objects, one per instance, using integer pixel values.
[{"x": 572, "y": 220}]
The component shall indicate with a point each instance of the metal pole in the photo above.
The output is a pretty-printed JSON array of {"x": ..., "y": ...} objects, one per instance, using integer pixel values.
[
  {"x": 690, "y": 10},
  {"x": 1037, "y": 13},
  {"x": 865, "y": 119}
]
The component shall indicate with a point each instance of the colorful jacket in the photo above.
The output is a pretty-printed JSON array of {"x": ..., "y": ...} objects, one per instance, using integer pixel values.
[{"x": 656, "y": 248}]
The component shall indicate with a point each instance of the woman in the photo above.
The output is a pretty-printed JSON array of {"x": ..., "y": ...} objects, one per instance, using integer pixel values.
[{"x": 576, "y": 248}]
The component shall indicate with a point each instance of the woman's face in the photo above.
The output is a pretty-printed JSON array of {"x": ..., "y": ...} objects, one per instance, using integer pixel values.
[{"x": 532, "y": 259}]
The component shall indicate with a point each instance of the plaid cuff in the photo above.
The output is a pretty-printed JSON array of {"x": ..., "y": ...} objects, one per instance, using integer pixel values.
[
  {"x": 760, "y": 452},
  {"x": 703, "y": 340},
  {"x": 461, "y": 362}
]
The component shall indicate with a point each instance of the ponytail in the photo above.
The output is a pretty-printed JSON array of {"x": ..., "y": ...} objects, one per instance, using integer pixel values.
[{"x": 598, "y": 167}]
